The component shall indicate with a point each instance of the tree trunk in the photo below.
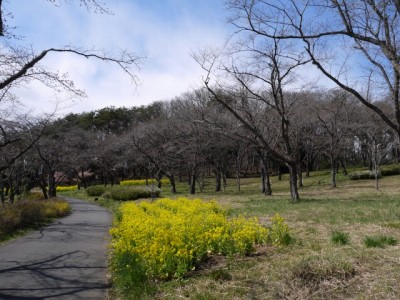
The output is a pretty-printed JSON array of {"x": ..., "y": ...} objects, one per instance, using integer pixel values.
[
  {"x": 44, "y": 191},
  {"x": 262, "y": 179},
  {"x": 193, "y": 184},
  {"x": 238, "y": 179},
  {"x": 217, "y": 175},
  {"x": 300, "y": 177},
  {"x": 201, "y": 182},
  {"x": 11, "y": 196},
  {"x": 279, "y": 173},
  {"x": 308, "y": 167},
  {"x": 52, "y": 185},
  {"x": 83, "y": 179},
  {"x": 158, "y": 179},
  {"x": 43, "y": 186},
  {"x": 11, "y": 190},
  {"x": 180, "y": 175},
  {"x": 333, "y": 171},
  {"x": 294, "y": 194},
  {"x": 376, "y": 177},
  {"x": 344, "y": 167},
  {"x": 2, "y": 196},
  {"x": 105, "y": 179},
  {"x": 265, "y": 180},
  {"x": 268, "y": 190},
  {"x": 224, "y": 180},
  {"x": 172, "y": 181}
]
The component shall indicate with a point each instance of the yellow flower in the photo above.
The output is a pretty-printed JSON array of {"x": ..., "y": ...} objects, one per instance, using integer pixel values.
[{"x": 171, "y": 236}]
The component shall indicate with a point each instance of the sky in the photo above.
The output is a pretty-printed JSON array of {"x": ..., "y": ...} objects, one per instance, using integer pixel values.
[{"x": 167, "y": 32}]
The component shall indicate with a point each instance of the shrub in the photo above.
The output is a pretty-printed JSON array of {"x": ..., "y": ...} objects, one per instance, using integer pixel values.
[
  {"x": 166, "y": 238},
  {"x": 10, "y": 220},
  {"x": 390, "y": 170},
  {"x": 56, "y": 208},
  {"x": 31, "y": 212},
  {"x": 95, "y": 190},
  {"x": 363, "y": 175},
  {"x": 28, "y": 213},
  {"x": 132, "y": 193},
  {"x": 379, "y": 241},
  {"x": 340, "y": 238},
  {"x": 142, "y": 182},
  {"x": 66, "y": 188},
  {"x": 32, "y": 195}
]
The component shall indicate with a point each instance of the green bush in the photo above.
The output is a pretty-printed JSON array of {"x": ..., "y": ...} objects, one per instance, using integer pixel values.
[
  {"x": 379, "y": 241},
  {"x": 364, "y": 175},
  {"x": 390, "y": 170},
  {"x": 95, "y": 190},
  {"x": 132, "y": 193},
  {"x": 340, "y": 238}
]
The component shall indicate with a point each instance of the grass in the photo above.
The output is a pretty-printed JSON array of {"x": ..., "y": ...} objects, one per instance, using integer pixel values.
[
  {"x": 340, "y": 238},
  {"x": 379, "y": 241},
  {"x": 312, "y": 266}
]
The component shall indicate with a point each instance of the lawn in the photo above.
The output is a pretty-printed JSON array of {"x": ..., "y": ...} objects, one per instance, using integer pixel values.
[{"x": 344, "y": 243}]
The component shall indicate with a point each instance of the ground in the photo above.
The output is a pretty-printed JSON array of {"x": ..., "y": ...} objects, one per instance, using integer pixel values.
[
  {"x": 65, "y": 260},
  {"x": 312, "y": 266}
]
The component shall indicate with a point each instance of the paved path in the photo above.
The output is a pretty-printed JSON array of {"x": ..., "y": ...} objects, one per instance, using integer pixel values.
[{"x": 66, "y": 260}]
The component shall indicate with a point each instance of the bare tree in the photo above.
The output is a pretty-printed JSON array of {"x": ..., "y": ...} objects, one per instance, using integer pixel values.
[
  {"x": 18, "y": 134},
  {"x": 353, "y": 43},
  {"x": 335, "y": 114},
  {"x": 260, "y": 74},
  {"x": 155, "y": 143},
  {"x": 21, "y": 64},
  {"x": 376, "y": 139}
]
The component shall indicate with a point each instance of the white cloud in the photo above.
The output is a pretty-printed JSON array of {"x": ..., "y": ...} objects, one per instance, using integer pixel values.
[{"x": 169, "y": 71}]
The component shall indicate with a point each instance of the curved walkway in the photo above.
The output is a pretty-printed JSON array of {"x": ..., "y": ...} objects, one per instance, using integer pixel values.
[{"x": 66, "y": 260}]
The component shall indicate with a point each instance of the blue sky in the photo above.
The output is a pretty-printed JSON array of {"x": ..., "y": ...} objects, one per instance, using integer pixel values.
[{"x": 167, "y": 31}]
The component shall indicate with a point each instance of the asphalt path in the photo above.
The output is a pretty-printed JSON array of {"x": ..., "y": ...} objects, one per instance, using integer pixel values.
[{"x": 66, "y": 260}]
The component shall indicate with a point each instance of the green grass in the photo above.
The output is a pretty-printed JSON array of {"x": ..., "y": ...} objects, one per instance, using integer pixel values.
[
  {"x": 379, "y": 241},
  {"x": 340, "y": 238},
  {"x": 312, "y": 266}
]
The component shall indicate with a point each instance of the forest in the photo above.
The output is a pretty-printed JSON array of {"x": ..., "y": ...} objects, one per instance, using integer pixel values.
[
  {"x": 258, "y": 113},
  {"x": 191, "y": 138}
]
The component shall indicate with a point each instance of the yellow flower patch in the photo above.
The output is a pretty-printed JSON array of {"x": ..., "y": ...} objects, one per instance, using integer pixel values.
[
  {"x": 169, "y": 237},
  {"x": 66, "y": 188}
]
